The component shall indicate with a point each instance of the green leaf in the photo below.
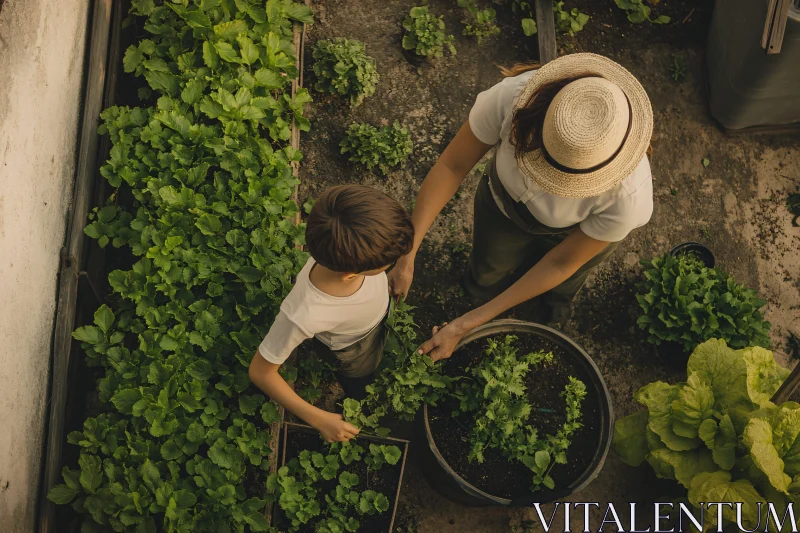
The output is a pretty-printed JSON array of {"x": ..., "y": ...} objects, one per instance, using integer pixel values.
[
  {"x": 91, "y": 473},
  {"x": 706, "y": 161},
  {"x": 89, "y": 334},
  {"x": 248, "y": 50},
  {"x": 630, "y": 441},
  {"x": 104, "y": 318},
  {"x": 529, "y": 27},
  {"x": 695, "y": 404},
  {"x": 725, "y": 441},
  {"x": 725, "y": 371},
  {"x": 299, "y": 12},
  {"x": 718, "y": 487},
  {"x": 270, "y": 413},
  {"x": 209, "y": 224},
  {"x": 61, "y": 494},
  {"x": 192, "y": 92},
  {"x": 682, "y": 466},
  {"x": 757, "y": 437},
  {"x": 132, "y": 59},
  {"x": 229, "y": 30},
  {"x": 226, "y": 52},
  {"x": 210, "y": 56},
  {"x": 124, "y": 399},
  {"x": 658, "y": 398},
  {"x": 764, "y": 375}
]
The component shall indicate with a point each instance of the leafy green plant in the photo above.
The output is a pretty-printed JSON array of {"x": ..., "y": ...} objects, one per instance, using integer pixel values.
[
  {"x": 479, "y": 23},
  {"x": 425, "y": 34},
  {"x": 385, "y": 147},
  {"x": 494, "y": 392},
  {"x": 312, "y": 373},
  {"x": 297, "y": 487},
  {"x": 685, "y": 302},
  {"x": 212, "y": 235},
  {"x": 718, "y": 434},
  {"x": 343, "y": 67},
  {"x": 677, "y": 70},
  {"x": 568, "y": 21},
  {"x": 381, "y": 454},
  {"x": 638, "y": 11}
]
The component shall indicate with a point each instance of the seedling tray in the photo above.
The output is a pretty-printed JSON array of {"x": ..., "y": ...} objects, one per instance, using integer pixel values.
[{"x": 308, "y": 438}]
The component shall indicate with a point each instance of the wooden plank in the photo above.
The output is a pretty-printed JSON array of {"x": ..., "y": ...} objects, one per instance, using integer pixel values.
[
  {"x": 72, "y": 254},
  {"x": 546, "y": 31},
  {"x": 778, "y": 27},
  {"x": 788, "y": 387},
  {"x": 299, "y": 37},
  {"x": 773, "y": 4}
]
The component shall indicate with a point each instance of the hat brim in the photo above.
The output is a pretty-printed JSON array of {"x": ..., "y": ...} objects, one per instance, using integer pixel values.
[{"x": 534, "y": 165}]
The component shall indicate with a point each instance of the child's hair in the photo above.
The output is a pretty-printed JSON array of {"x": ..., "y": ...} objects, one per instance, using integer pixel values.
[{"x": 354, "y": 228}]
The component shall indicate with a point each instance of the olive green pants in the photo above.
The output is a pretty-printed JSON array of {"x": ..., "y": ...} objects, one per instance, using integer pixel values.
[{"x": 505, "y": 247}]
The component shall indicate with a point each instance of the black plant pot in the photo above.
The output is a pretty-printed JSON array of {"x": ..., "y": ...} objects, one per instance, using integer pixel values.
[
  {"x": 701, "y": 251},
  {"x": 441, "y": 476}
]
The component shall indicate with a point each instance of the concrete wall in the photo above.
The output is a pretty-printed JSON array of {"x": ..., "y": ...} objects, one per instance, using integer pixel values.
[{"x": 42, "y": 44}]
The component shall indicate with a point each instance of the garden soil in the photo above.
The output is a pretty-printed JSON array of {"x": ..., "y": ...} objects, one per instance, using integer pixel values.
[{"x": 735, "y": 205}]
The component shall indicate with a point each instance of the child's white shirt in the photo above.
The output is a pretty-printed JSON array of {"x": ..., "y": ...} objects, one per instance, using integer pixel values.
[{"x": 337, "y": 321}]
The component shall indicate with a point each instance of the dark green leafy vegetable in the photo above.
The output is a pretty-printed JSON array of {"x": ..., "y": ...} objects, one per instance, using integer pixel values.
[
  {"x": 638, "y": 11},
  {"x": 425, "y": 34},
  {"x": 687, "y": 303},
  {"x": 479, "y": 23},
  {"x": 343, "y": 67},
  {"x": 386, "y": 147}
]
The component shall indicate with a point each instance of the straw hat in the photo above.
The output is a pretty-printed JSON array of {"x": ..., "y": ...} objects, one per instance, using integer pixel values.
[{"x": 596, "y": 130}]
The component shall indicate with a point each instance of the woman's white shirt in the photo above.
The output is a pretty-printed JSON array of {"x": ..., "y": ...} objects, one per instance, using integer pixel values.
[{"x": 608, "y": 217}]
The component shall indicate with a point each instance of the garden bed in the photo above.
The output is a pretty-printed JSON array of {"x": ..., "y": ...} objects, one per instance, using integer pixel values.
[{"x": 387, "y": 480}]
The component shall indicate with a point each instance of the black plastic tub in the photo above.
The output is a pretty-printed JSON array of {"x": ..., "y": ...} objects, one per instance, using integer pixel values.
[
  {"x": 441, "y": 476},
  {"x": 701, "y": 251}
]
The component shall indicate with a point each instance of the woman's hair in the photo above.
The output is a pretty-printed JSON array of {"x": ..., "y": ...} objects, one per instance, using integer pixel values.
[{"x": 527, "y": 122}]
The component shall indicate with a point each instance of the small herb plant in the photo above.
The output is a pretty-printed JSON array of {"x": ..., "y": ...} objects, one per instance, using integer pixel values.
[
  {"x": 677, "y": 69},
  {"x": 297, "y": 487},
  {"x": 386, "y": 147},
  {"x": 425, "y": 34},
  {"x": 495, "y": 392},
  {"x": 638, "y": 11},
  {"x": 479, "y": 23},
  {"x": 343, "y": 67},
  {"x": 405, "y": 379},
  {"x": 718, "y": 434},
  {"x": 569, "y": 21},
  {"x": 685, "y": 302}
]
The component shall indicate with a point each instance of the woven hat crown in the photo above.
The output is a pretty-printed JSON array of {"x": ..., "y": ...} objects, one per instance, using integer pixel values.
[{"x": 585, "y": 123}]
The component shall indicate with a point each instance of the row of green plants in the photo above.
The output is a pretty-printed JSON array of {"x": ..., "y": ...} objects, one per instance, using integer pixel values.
[
  {"x": 202, "y": 205},
  {"x": 299, "y": 487},
  {"x": 719, "y": 435}
]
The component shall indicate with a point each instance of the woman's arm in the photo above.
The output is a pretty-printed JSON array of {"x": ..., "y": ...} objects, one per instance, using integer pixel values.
[
  {"x": 439, "y": 186},
  {"x": 555, "y": 267},
  {"x": 266, "y": 377}
]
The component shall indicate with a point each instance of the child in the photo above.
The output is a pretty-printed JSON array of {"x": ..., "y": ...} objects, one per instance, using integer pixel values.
[{"x": 354, "y": 235}]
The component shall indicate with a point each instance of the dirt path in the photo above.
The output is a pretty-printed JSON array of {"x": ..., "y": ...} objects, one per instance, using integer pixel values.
[{"x": 736, "y": 204}]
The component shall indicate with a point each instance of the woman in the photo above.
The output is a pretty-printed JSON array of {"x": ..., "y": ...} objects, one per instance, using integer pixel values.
[{"x": 569, "y": 180}]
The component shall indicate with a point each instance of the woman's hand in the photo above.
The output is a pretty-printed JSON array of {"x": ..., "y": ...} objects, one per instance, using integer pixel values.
[
  {"x": 443, "y": 342},
  {"x": 334, "y": 429},
  {"x": 401, "y": 276}
]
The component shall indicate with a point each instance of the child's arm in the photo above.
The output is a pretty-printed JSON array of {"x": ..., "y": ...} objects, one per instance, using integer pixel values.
[{"x": 266, "y": 377}]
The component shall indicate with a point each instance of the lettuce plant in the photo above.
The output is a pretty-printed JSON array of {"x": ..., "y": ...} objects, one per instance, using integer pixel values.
[
  {"x": 685, "y": 302},
  {"x": 343, "y": 67},
  {"x": 425, "y": 34},
  {"x": 385, "y": 147},
  {"x": 718, "y": 434},
  {"x": 638, "y": 11}
]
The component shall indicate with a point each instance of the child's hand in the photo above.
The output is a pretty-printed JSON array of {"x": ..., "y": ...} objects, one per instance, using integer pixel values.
[{"x": 334, "y": 429}]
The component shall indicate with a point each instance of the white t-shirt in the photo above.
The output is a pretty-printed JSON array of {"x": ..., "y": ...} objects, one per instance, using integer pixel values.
[
  {"x": 337, "y": 321},
  {"x": 608, "y": 217}
]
